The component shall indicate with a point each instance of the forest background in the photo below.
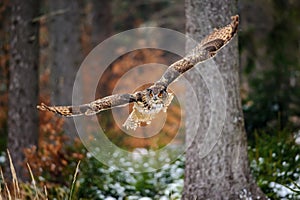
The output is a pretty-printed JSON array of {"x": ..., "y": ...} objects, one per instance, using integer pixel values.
[{"x": 269, "y": 48}]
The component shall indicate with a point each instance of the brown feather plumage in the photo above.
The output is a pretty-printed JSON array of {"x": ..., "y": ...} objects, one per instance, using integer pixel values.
[{"x": 144, "y": 107}]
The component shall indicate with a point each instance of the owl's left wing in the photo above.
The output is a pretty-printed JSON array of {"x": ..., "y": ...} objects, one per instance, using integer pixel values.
[
  {"x": 207, "y": 48},
  {"x": 93, "y": 107}
]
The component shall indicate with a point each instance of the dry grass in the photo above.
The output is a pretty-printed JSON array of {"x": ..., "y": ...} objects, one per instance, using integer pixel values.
[
  {"x": 16, "y": 187},
  {"x": 46, "y": 192},
  {"x": 33, "y": 182},
  {"x": 74, "y": 181},
  {"x": 18, "y": 190},
  {"x": 5, "y": 193}
]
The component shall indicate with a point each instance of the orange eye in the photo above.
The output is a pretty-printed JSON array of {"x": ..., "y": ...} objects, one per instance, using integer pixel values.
[
  {"x": 150, "y": 92},
  {"x": 160, "y": 94}
]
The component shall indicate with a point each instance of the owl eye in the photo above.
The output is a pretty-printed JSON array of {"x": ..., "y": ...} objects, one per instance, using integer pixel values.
[
  {"x": 150, "y": 92},
  {"x": 160, "y": 94}
]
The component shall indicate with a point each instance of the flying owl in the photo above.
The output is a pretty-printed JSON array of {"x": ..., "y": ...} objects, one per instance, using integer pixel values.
[{"x": 156, "y": 98}]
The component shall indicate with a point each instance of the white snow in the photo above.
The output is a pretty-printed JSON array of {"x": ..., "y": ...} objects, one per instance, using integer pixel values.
[
  {"x": 145, "y": 198},
  {"x": 281, "y": 190},
  {"x": 297, "y": 140},
  {"x": 110, "y": 198},
  {"x": 2, "y": 159},
  {"x": 297, "y": 157}
]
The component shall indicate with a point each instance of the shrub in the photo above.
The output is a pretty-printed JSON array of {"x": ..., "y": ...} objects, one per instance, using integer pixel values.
[{"x": 275, "y": 163}]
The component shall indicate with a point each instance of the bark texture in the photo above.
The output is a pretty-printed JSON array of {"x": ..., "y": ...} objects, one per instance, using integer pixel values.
[
  {"x": 216, "y": 161},
  {"x": 65, "y": 53},
  {"x": 23, "y": 82}
]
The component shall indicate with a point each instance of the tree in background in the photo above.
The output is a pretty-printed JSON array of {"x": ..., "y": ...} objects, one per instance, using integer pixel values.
[
  {"x": 101, "y": 21},
  {"x": 271, "y": 65},
  {"x": 4, "y": 68},
  {"x": 223, "y": 171},
  {"x": 65, "y": 52},
  {"x": 23, "y": 82},
  {"x": 98, "y": 27}
]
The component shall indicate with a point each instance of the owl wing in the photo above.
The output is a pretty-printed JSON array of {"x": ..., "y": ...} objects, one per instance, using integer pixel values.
[
  {"x": 207, "y": 48},
  {"x": 94, "y": 107}
]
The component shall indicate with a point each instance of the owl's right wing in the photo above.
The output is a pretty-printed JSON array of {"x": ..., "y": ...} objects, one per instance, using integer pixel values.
[
  {"x": 207, "y": 48},
  {"x": 94, "y": 107}
]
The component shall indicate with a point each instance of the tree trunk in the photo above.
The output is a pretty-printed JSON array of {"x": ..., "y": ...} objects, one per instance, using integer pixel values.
[
  {"x": 65, "y": 53},
  {"x": 101, "y": 21},
  {"x": 99, "y": 24},
  {"x": 23, "y": 82},
  {"x": 217, "y": 163}
]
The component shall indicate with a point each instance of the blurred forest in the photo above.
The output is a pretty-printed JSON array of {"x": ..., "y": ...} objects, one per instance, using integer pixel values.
[{"x": 269, "y": 47}]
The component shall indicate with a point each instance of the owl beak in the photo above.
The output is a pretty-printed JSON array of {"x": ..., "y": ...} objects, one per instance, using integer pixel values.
[{"x": 155, "y": 98}]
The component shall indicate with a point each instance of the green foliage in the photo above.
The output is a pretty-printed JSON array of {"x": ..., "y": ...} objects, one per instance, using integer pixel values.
[
  {"x": 269, "y": 47},
  {"x": 98, "y": 181},
  {"x": 275, "y": 163}
]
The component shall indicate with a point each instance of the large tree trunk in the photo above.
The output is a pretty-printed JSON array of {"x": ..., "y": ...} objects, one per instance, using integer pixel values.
[
  {"x": 23, "y": 82},
  {"x": 65, "y": 53},
  {"x": 216, "y": 163}
]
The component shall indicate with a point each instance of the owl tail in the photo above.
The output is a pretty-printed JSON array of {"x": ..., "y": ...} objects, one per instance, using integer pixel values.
[{"x": 68, "y": 111}]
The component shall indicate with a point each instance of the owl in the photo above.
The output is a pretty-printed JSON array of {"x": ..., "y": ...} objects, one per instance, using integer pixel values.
[{"x": 149, "y": 102}]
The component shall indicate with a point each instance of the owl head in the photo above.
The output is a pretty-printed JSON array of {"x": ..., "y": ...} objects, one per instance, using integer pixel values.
[{"x": 157, "y": 94}]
